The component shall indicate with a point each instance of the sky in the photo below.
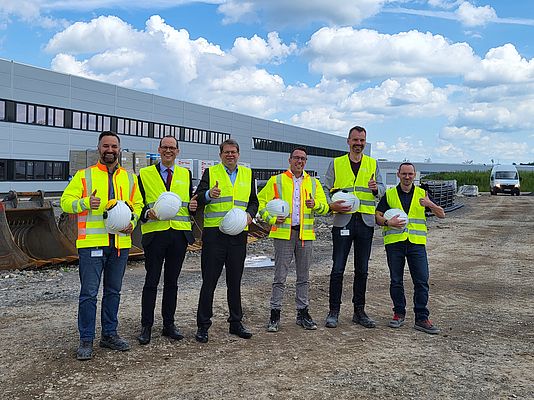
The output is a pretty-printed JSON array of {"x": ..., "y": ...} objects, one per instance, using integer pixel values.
[{"x": 430, "y": 80}]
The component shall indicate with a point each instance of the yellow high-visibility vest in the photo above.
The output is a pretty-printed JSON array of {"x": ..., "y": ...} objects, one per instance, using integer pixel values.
[
  {"x": 154, "y": 186},
  {"x": 281, "y": 187},
  {"x": 236, "y": 195},
  {"x": 345, "y": 180},
  {"x": 75, "y": 200},
  {"x": 415, "y": 231}
]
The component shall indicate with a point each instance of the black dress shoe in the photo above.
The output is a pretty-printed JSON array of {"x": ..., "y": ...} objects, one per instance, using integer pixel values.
[
  {"x": 146, "y": 334},
  {"x": 202, "y": 335},
  {"x": 240, "y": 331},
  {"x": 172, "y": 332}
]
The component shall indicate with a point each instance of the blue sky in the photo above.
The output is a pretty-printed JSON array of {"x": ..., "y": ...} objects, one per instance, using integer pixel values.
[{"x": 439, "y": 80}]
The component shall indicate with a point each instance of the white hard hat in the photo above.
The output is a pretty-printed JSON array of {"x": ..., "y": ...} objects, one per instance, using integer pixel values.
[
  {"x": 278, "y": 208},
  {"x": 234, "y": 222},
  {"x": 349, "y": 199},
  {"x": 396, "y": 211},
  {"x": 117, "y": 216},
  {"x": 167, "y": 206}
]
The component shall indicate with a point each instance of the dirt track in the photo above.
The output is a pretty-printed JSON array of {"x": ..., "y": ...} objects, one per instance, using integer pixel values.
[{"x": 482, "y": 296}]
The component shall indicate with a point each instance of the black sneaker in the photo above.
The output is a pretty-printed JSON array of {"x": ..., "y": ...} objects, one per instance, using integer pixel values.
[
  {"x": 114, "y": 342},
  {"x": 85, "y": 350},
  {"x": 360, "y": 317},
  {"x": 305, "y": 320},
  {"x": 426, "y": 326},
  {"x": 274, "y": 321},
  {"x": 331, "y": 319}
]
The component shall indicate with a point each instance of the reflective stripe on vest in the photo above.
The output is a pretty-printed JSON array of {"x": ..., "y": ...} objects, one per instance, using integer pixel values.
[
  {"x": 345, "y": 180},
  {"x": 415, "y": 230}
]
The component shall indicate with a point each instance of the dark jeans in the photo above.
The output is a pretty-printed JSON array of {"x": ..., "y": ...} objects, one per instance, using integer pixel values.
[
  {"x": 165, "y": 246},
  {"x": 362, "y": 237},
  {"x": 91, "y": 267},
  {"x": 218, "y": 250},
  {"x": 397, "y": 253}
]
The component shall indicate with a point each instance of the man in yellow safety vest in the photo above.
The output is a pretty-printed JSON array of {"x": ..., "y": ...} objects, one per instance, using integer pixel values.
[
  {"x": 88, "y": 194},
  {"x": 224, "y": 186},
  {"x": 406, "y": 241},
  {"x": 358, "y": 174},
  {"x": 293, "y": 235},
  {"x": 164, "y": 241}
]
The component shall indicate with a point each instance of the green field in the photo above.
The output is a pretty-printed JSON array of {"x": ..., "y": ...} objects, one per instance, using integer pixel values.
[{"x": 481, "y": 179}]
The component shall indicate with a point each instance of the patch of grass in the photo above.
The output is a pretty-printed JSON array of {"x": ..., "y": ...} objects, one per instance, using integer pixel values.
[{"x": 480, "y": 179}]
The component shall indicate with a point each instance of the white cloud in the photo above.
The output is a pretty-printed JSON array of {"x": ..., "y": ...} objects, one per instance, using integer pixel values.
[
  {"x": 502, "y": 65},
  {"x": 300, "y": 12},
  {"x": 363, "y": 54},
  {"x": 257, "y": 51},
  {"x": 470, "y": 15},
  {"x": 455, "y": 133},
  {"x": 446, "y": 4}
]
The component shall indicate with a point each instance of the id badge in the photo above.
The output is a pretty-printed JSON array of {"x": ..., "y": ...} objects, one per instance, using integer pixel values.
[
  {"x": 344, "y": 232},
  {"x": 97, "y": 253}
]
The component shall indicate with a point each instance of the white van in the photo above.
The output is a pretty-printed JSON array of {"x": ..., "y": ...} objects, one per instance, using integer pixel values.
[{"x": 504, "y": 179}]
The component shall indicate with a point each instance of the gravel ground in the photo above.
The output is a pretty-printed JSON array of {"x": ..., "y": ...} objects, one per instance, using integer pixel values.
[{"x": 481, "y": 296}]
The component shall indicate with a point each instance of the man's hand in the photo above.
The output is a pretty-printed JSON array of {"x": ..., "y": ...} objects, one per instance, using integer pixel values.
[
  {"x": 193, "y": 203},
  {"x": 215, "y": 192},
  {"x": 249, "y": 219},
  {"x": 128, "y": 230},
  {"x": 340, "y": 206},
  {"x": 396, "y": 222},
  {"x": 280, "y": 220},
  {"x": 426, "y": 202},
  {"x": 310, "y": 203},
  {"x": 94, "y": 202},
  {"x": 151, "y": 214},
  {"x": 372, "y": 184}
]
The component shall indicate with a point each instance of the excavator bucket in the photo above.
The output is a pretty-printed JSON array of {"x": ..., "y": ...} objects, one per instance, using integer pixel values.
[{"x": 29, "y": 236}]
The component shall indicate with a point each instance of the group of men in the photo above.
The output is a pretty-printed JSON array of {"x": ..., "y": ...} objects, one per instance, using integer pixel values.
[{"x": 223, "y": 187}]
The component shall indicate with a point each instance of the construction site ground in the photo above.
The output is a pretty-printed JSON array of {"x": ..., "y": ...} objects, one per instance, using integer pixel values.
[{"x": 481, "y": 296}]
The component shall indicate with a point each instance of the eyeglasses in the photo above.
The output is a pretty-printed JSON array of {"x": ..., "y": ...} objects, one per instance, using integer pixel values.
[
  {"x": 297, "y": 158},
  {"x": 168, "y": 148}
]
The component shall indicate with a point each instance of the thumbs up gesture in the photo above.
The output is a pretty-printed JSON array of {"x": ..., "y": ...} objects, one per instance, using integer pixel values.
[
  {"x": 310, "y": 203},
  {"x": 215, "y": 192},
  {"x": 193, "y": 203},
  {"x": 372, "y": 183},
  {"x": 94, "y": 202}
]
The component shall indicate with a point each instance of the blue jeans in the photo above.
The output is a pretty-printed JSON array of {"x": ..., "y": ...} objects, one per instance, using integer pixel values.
[
  {"x": 91, "y": 268},
  {"x": 397, "y": 253},
  {"x": 362, "y": 237}
]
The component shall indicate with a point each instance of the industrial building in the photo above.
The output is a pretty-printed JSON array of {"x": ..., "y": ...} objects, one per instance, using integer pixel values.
[{"x": 45, "y": 115}]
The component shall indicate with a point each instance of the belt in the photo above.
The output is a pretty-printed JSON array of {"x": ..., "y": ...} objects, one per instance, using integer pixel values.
[{"x": 296, "y": 227}]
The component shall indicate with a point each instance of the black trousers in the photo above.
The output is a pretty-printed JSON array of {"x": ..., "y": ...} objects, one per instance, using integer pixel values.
[
  {"x": 165, "y": 246},
  {"x": 218, "y": 250}
]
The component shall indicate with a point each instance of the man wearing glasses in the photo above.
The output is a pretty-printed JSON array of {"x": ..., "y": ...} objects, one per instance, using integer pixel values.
[
  {"x": 223, "y": 187},
  {"x": 294, "y": 234},
  {"x": 358, "y": 174},
  {"x": 164, "y": 241}
]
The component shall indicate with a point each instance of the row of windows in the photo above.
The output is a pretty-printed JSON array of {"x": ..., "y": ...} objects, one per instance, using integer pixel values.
[
  {"x": 284, "y": 147},
  {"x": 26, "y": 113},
  {"x": 30, "y": 170}
]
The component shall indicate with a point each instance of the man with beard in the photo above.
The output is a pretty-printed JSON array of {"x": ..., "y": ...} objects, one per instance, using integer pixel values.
[
  {"x": 87, "y": 195},
  {"x": 223, "y": 187},
  {"x": 406, "y": 241},
  {"x": 358, "y": 174},
  {"x": 164, "y": 241}
]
